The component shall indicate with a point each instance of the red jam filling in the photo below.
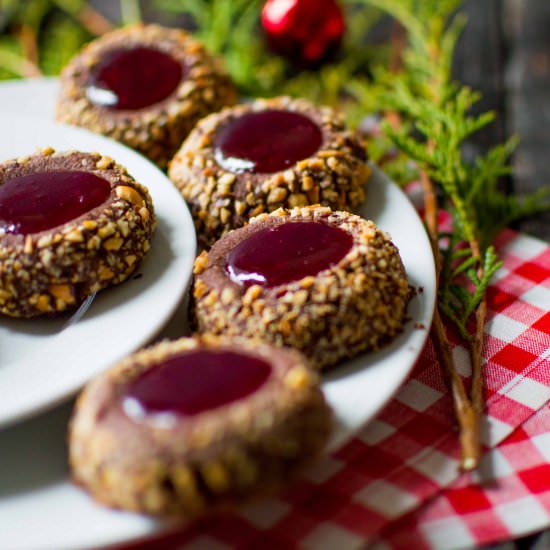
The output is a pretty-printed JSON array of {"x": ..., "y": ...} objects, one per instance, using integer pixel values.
[
  {"x": 288, "y": 252},
  {"x": 44, "y": 200},
  {"x": 129, "y": 79},
  {"x": 266, "y": 141},
  {"x": 194, "y": 382}
]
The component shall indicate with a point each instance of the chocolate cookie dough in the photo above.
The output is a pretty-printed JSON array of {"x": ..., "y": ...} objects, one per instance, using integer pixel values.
[
  {"x": 71, "y": 224},
  {"x": 145, "y": 86},
  {"x": 329, "y": 284},
  {"x": 186, "y": 427},
  {"x": 272, "y": 153}
]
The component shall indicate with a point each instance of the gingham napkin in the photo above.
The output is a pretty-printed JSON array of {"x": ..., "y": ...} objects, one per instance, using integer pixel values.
[
  {"x": 514, "y": 497},
  {"x": 398, "y": 483}
]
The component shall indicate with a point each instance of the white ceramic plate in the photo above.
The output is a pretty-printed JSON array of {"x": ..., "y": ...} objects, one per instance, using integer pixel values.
[
  {"x": 45, "y": 360},
  {"x": 40, "y": 509}
]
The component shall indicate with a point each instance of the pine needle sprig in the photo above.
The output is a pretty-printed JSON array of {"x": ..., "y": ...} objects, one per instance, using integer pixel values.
[
  {"x": 438, "y": 122},
  {"x": 461, "y": 287},
  {"x": 80, "y": 10}
]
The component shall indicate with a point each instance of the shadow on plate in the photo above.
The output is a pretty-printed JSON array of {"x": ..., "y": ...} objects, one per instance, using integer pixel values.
[
  {"x": 40, "y": 326},
  {"x": 34, "y": 453}
]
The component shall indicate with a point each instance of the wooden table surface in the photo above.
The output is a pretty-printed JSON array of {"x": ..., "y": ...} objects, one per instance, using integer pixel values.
[{"x": 505, "y": 53}]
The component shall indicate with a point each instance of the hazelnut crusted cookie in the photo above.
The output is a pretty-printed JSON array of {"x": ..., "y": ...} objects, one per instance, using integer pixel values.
[
  {"x": 71, "y": 224},
  {"x": 329, "y": 284},
  {"x": 272, "y": 153},
  {"x": 145, "y": 86},
  {"x": 189, "y": 426}
]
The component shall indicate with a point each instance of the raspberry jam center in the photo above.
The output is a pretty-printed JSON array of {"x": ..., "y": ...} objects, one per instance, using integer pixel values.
[
  {"x": 194, "y": 382},
  {"x": 44, "y": 200},
  {"x": 129, "y": 79},
  {"x": 288, "y": 252},
  {"x": 266, "y": 141}
]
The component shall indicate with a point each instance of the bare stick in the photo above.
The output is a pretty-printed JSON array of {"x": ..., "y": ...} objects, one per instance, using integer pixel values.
[
  {"x": 466, "y": 414},
  {"x": 93, "y": 21},
  {"x": 476, "y": 345},
  {"x": 27, "y": 39}
]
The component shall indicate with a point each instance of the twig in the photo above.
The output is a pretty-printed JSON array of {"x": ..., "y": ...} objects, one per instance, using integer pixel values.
[
  {"x": 398, "y": 42},
  {"x": 27, "y": 39},
  {"x": 476, "y": 345},
  {"x": 466, "y": 412},
  {"x": 93, "y": 21},
  {"x": 476, "y": 350},
  {"x": 18, "y": 64}
]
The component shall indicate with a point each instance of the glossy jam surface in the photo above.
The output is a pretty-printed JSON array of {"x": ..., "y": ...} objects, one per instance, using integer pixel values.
[
  {"x": 129, "y": 79},
  {"x": 44, "y": 200},
  {"x": 266, "y": 141},
  {"x": 288, "y": 252},
  {"x": 194, "y": 382}
]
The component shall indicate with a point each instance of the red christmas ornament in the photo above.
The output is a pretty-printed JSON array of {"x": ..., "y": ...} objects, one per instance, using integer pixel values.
[{"x": 306, "y": 32}]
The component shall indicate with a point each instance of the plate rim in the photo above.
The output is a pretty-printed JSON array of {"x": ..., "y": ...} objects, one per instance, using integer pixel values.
[
  {"x": 415, "y": 331},
  {"x": 162, "y": 188}
]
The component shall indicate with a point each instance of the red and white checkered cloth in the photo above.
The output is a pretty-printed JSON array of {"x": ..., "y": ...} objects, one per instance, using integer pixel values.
[
  {"x": 512, "y": 499},
  {"x": 397, "y": 484}
]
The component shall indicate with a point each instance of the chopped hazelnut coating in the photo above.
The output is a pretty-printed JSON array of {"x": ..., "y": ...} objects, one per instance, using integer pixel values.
[
  {"x": 221, "y": 200},
  {"x": 191, "y": 465},
  {"x": 358, "y": 304},
  {"x": 55, "y": 269},
  {"x": 156, "y": 130}
]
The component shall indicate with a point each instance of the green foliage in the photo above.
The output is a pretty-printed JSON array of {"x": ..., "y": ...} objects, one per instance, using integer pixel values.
[
  {"x": 461, "y": 288},
  {"x": 31, "y": 14},
  {"x": 53, "y": 27},
  {"x": 436, "y": 123},
  {"x": 130, "y": 11},
  {"x": 11, "y": 57},
  {"x": 59, "y": 29},
  {"x": 231, "y": 29},
  {"x": 71, "y": 7},
  {"x": 499, "y": 210}
]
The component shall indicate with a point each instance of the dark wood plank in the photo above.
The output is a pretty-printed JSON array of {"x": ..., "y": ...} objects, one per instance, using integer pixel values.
[
  {"x": 528, "y": 80},
  {"x": 479, "y": 63}
]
